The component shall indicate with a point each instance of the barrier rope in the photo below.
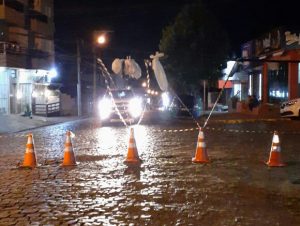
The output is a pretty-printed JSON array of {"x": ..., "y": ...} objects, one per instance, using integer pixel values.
[
  {"x": 219, "y": 96},
  {"x": 193, "y": 129},
  {"x": 147, "y": 64},
  {"x": 103, "y": 68},
  {"x": 188, "y": 110},
  {"x": 106, "y": 74},
  {"x": 215, "y": 104}
]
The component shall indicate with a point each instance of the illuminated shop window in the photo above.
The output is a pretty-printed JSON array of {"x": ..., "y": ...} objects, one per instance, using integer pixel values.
[
  {"x": 278, "y": 84},
  {"x": 298, "y": 73}
]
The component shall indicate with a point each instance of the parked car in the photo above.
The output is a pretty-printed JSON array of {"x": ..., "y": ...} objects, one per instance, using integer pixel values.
[
  {"x": 192, "y": 106},
  {"x": 120, "y": 102},
  {"x": 290, "y": 108}
]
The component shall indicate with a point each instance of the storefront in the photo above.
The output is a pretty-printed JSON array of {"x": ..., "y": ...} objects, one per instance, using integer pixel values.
[
  {"x": 4, "y": 91},
  {"x": 273, "y": 66},
  {"x": 236, "y": 88},
  {"x": 21, "y": 88}
]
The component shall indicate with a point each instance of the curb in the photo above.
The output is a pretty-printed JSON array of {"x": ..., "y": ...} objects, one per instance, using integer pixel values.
[{"x": 37, "y": 127}]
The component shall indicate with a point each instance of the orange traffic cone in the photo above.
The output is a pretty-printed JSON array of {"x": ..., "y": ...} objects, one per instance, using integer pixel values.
[
  {"x": 69, "y": 157},
  {"x": 132, "y": 154},
  {"x": 275, "y": 153},
  {"x": 29, "y": 158},
  {"x": 201, "y": 154}
]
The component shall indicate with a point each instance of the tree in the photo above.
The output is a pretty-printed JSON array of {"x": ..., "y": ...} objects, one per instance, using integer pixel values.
[{"x": 195, "y": 46}]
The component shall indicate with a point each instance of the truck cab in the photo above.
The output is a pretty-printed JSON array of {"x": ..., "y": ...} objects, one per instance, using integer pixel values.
[{"x": 120, "y": 104}]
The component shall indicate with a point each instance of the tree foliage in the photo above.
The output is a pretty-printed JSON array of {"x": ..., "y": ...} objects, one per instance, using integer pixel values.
[{"x": 195, "y": 46}]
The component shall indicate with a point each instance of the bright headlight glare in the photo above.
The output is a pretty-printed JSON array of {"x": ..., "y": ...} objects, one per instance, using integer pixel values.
[
  {"x": 165, "y": 99},
  {"x": 135, "y": 107},
  {"x": 105, "y": 107}
]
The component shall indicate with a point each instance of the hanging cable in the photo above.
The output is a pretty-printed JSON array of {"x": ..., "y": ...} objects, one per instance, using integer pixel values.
[{"x": 233, "y": 70}]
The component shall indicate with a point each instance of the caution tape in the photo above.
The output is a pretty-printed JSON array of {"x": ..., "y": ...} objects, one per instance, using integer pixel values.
[
  {"x": 222, "y": 130},
  {"x": 207, "y": 128},
  {"x": 239, "y": 121}
]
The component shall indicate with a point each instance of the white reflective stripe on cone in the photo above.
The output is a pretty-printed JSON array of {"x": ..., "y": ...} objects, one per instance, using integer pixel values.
[
  {"x": 68, "y": 140},
  {"x": 201, "y": 145},
  {"x": 201, "y": 135},
  {"x": 29, "y": 150},
  {"x": 132, "y": 145},
  {"x": 276, "y": 148},
  {"x": 276, "y": 139},
  {"x": 68, "y": 149}
]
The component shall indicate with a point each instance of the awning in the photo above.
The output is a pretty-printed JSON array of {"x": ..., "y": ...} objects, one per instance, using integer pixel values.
[
  {"x": 222, "y": 82},
  {"x": 240, "y": 76}
]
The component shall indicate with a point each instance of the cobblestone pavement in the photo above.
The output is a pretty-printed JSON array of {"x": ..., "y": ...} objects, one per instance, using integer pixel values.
[{"x": 236, "y": 188}]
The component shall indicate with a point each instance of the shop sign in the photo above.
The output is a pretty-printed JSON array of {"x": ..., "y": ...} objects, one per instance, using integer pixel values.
[
  {"x": 292, "y": 40},
  {"x": 247, "y": 53},
  {"x": 268, "y": 43}
]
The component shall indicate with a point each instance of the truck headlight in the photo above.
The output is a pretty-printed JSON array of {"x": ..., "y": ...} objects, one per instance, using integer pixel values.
[
  {"x": 105, "y": 108},
  {"x": 165, "y": 99},
  {"x": 135, "y": 107}
]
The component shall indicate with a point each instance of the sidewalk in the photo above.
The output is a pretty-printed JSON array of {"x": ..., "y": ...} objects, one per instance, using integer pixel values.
[
  {"x": 264, "y": 112},
  {"x": 16, "y": 123}
]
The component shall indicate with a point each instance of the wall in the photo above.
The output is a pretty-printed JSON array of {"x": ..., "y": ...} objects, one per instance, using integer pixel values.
[
  {"x": 68, "y": 105},
  {"x": 4, "y": 92}
]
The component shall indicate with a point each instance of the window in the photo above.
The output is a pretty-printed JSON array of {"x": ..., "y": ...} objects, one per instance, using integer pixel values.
[
  {"x": 122, "y": 94},
  {"x": 18, "y": 6},
  {"x": 278, "y": 84}
]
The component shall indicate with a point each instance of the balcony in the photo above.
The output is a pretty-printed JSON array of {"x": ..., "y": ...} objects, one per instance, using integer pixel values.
[
  {"x": 13, "y": 55},
  {"x": 42, "y": 28},
  {"x": 12, "y": 16},
  {"x": 11, "y": 48},
  {"x": 10, "y": 60}
]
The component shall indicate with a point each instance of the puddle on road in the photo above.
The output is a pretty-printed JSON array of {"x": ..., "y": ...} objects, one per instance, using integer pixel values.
[{"x": 167, "y": 189}]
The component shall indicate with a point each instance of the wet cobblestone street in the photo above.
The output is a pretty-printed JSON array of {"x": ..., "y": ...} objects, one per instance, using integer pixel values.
[{"x": 236, "y": 188}]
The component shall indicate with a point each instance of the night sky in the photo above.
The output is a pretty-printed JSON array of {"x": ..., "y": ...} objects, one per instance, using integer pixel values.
[{"x": 136, "y": 25}]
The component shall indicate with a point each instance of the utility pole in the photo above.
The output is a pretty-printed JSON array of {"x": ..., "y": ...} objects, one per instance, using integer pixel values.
[
  {"x": 30, "y": 37},
  {"x": 204, "y": 95},
  {"x": 79, "y": 112},
  {"x": 99, "y": 40},
  {"x": 94, "y": 79}
]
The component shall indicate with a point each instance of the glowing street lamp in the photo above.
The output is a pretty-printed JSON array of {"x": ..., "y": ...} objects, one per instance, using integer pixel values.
[{"x": 101, "y": 39}]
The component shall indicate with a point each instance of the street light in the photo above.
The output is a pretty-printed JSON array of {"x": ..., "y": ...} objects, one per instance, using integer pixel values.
[
  {"x": 79, "y": 109},
  {"x": 99, "y": 40}
]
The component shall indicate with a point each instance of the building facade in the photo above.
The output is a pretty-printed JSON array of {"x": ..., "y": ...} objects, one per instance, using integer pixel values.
[
  {"x": 273, "y": 66},
  {"x": 26, "y": 54}
]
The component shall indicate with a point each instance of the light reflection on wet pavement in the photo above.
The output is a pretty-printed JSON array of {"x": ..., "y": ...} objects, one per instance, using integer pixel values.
[{"x": 167, "y": 189}]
